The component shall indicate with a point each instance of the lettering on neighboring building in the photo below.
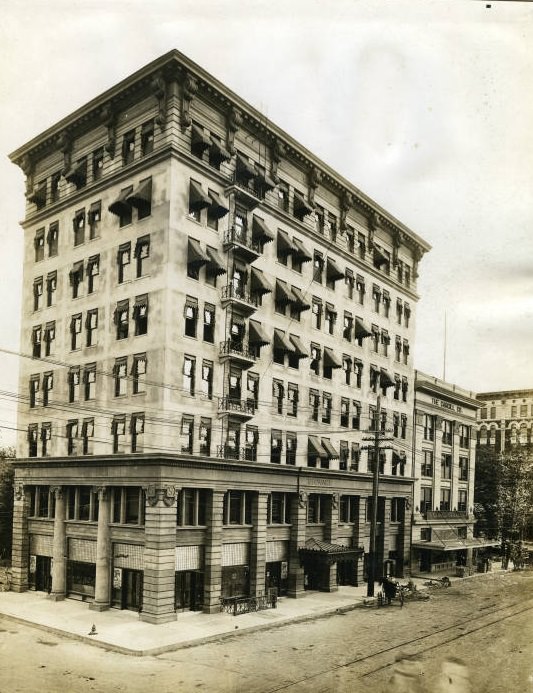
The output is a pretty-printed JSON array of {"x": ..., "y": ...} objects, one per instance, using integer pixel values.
[
  {"x": 445, "y": 405},
  {"x": 319, "y": 482}
]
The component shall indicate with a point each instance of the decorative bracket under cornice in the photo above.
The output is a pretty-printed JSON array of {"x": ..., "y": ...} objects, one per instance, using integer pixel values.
[
  {"x": 26, "y": 164},
  {"x": 166, "y": 495},
  {"x": 315, "y": 178},
  {"x": 109, "y": 119},
  {"x": 234, "y": 125},
  {"x": 347, "y": 201},
  {"x": 64, "y": 143},
  {"x": 278, "y": 152},
  {"x": 373, "y": 225},
  {"x": 160, "y": 89},
  {"x": 189, "y": 91}
]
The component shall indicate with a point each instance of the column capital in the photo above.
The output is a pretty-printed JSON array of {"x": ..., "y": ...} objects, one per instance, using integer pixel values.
[
  {"x": 102, "y": 491},
  {"x": 302, "y": 499},
  {"x": 57, "y": 491},
  {"x": 166, "y": 494},
  {"x": 19, "y": 490}
]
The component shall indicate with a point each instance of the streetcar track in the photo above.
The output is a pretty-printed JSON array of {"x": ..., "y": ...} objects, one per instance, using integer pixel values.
[{"x": 406, "y": 643}]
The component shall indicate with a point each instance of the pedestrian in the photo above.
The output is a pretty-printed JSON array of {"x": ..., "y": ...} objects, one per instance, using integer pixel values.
[{"x": 389, "y": 587}]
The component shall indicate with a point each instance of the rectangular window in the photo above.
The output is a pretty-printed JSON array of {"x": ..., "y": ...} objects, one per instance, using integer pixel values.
[
  {"x": 124, "y": 262},
  {"x": 463, "y": 468},
  {"x": 426, "y": 499},
  {"x": 276, "y": 444},
  {"x": 189, "y": 374},
  {"x": 317, "y": 313},
  {"x": 386, "y": 303},
  {"x": 397, "y": 512},
  {"x": 128, "y": 147},
  {"x": 39, "y": 245},
  {"x": 428, "y": 423},
  {"x": 139, "y": 373},
  {"x": 290, "y": 448},
  {"x": 355, "y": 457},
  {"x": 53, "y": 239},
  {"x": 356, "y": 415},
  {"x": 278, "y": 392},
  {"x": 314, "y": 404},
  {"x": 209, "y": 323},
  {"x": 32, "y": 440},
  {"x": 252, "y": 390},
  {"x": 89, "y": 381},
  {"x": 48, "y": 385},
  {"x": 34, "y": 390},
  {"x": 330, "y": 317},
  {"x": 75, "y": 332},
  {"x": 237, "y": 508},
  {"x": 191, "y": 316},
  {"x": 76, "y": 279},
  {"x": 344, "y": 455},
  {"x": 140, "y": 315},
  {"x": 191, "y": 508},
  {"x": 72, "y": 446},
  {"x": 427, "y": 463},
  {"x": 464, "y": 436},
  {"x": 405, "y": 351},
  {"x": 37, "y": 293},
  {"x": 91, "y": 326},
  {"x": 51, "y": 288},
  {"x": 348, "y": 509},
  {"x": 142, "y": 256},
  {"x": 205, "y": 436},
  {"x": 207, "y": 379},
  {"x": 283, "y": 196},
  {"x": 347, "y": 326},
  {"x": 447, "y": 432},
  {"x": 406, "y": 314},
  {"x": 120, "y": 373},
  {"x": 93, "y": 272},
  {"x": 404, "y": 426},
  {"x": 98, "y": 163},
  {"x": 147, "y": 137},
  {"x": 94, "y": 217},
  {"x": 347, "y": 369},
  {"x": 186, "y": 434},
  {"x": 376, "y": 298},
  {"x": 78, "y": 225},
  {"x": 278, "y": 509},
  {"x": 74, "y": 384},
  {"x": 358, "y": 371},
  {"x": 318, "y": 267},
  {"x": 292, "y": 396},
  {"x": 137, "y": 432},
  {"x": 46, "y": 439},
  {"x": 314, "y": 362},
  {"x": 446, "y": 466},
  {"x": 326, "y": 408},
  {"x": 118, "y": 431},
  {"x": 345, "y": 412},
  {"x": 462, "y": 501},
  {"x": 122, "y": 317},
  {"x": 444, "y": 499},
  {"x": 316, "y": 509}
]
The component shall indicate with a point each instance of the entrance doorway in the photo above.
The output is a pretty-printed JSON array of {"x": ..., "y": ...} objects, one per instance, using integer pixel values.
[
  {"x": 276, "y": 574},
  {"x": 189, "y": 590},
  {"x": 347, "y": 573},
  {"x": 132, "y": 589},
  {"x": 43, "y": 573}
]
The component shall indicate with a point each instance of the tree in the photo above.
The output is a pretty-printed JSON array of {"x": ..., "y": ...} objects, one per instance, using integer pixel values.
[
  {"x": 486, "y": 491},
  {"x": 7, "y": 475}
]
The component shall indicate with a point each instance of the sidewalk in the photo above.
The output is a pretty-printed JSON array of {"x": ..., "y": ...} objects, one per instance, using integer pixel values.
[{"x": 121, "y": 631}]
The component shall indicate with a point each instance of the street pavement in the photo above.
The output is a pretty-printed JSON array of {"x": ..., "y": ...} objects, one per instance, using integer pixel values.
[{"x": 122, "y": 631}]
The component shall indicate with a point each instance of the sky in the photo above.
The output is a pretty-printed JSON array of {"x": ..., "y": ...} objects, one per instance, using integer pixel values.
[{"x": 425, "y": 106}]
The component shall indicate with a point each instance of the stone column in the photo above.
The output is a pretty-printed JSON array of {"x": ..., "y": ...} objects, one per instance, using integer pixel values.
[
  {"x": 297, "y": 539},
  {"x": 59, "y": 568},
  {"x": 258, "y": 545},
  {"x": 21, "y": 540},
  {"x": 159, "y": 555},
  {"x": 331, "y": 531},
  {"x": 384, "y": 543},
  {"x": 359, "y": 537},
  {"x": 102, "y": 592},
  {"x": 213, "y": 554},
  {"x": 404, "y": 540}
]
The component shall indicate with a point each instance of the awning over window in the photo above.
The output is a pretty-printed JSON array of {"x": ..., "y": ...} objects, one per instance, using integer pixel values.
[
  {"x": 258, "y": 282},
  {"x": 300, "y": 352},
  {"x": 218, "y": 151},
  {"x": 283, "y": 293},
  {"x": 264, "y": 179},
  {"x": 314, "y": 447},
  {"x": 333, "y": 272},
  {"x": 260, "y": 231},
  {"x": 379, "y": 258},
  {"x": 38, "y": 194},
  {"x": 300, "y": 252},
  {"x": 385, "y": 380},
  {"x": 449, "y": 540},
  {"x": 328, "y": 447},
  {"x": 285, "y": 246},
  {"x": 282, "y": 342},
  {"x": 301, "y": 207},
  {"x": 330, "y": 359},
  {"x": 360, "y": 330},
  {"x": 197, "y": 198},
  {"x": 299, "y": 301},
  {"x": 217, "y": 208},
  {"x": 77, "y": 173},
  {"x": 257, "y": 335},
  {"x": 199, "y": 140},
  {"x": 121, "y": 204},
  {"x": 215, "y": 265},
  {"x": 142, "y": 196},
  {"x": 245, "y": 168},
  {"x": 76, "y": 273},
  {"x": 195, "y": 254}
]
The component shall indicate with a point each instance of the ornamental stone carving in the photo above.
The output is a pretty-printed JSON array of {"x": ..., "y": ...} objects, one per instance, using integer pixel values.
[
  {"x": 335, "y": 501},
  {"x": 189, "y": 91},
  {"x": 302, "y": 499},
  {"x": 57, "y": 491},
  {"x": 315, "y": 178},
  {"x": 101, "y": 491},
  {"x": 278, "y": 152},
  {"x": 19, "y": 490},
  {"x": 166, "y": 495},
  {"x": 347, "y": 202},
  {"x": 417, "y": 256},
  {"x": 109, "y": 119},
  {"x": 234, "y": 125},
  {"x": 159, "y": 87}
]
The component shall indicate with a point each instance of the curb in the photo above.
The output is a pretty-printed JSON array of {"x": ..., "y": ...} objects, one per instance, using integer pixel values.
[{"x": 186, "y": 644}]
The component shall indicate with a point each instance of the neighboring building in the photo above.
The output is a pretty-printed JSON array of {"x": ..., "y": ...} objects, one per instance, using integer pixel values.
[
  {"x": 444, "y": 453},
  {"x": 210, "y": 313},
  {"x": 505, "y": 418}
]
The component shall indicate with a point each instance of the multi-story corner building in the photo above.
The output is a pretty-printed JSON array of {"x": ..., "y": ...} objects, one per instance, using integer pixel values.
[
  {"x": 209, "y": 315},
  {"x": 505, "y": 418},
  {"x": 444, "y": 449}
]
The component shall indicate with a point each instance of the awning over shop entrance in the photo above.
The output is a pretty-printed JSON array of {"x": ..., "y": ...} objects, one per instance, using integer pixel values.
[
  {"x": 323, "y": 551},
  {"x": 449, "y": 540}
]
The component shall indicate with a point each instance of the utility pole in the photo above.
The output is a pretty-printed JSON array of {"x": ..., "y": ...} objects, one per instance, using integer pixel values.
[{"x": 377, "y": 439}]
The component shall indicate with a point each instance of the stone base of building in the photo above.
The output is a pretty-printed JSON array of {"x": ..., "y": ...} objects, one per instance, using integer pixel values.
[
  {"x": 96, "y": 606},
  {"x": 156, "y": 619},
  {"x": 56, "y": 597}
]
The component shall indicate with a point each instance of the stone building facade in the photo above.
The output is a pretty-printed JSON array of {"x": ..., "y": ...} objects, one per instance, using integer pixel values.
[
  {"x": 209, "y": 315},
  {"x": 444, "y": 466},
  {"x": 505, "y": 418}
]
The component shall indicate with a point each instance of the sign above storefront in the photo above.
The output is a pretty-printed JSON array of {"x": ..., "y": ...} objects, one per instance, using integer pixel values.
[{"x": 445, "y": 405}]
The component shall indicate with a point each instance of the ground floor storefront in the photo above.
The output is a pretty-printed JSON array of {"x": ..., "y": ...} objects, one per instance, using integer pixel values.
[{"x": 161, "y": 538}]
